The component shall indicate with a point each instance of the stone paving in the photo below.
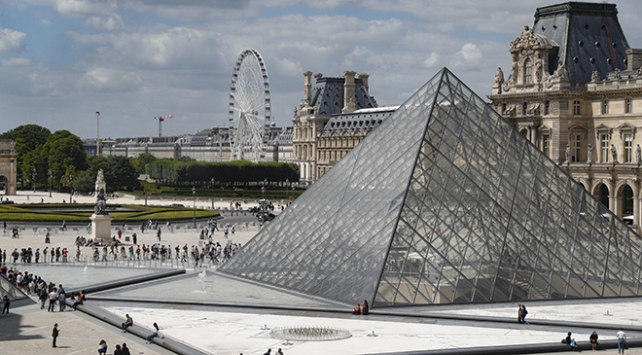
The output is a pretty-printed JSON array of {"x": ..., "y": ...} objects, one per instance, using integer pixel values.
[{"x": 27, "y": 330}]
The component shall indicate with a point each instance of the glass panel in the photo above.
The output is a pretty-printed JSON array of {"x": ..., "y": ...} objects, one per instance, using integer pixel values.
[{"x": 446, "y": 203}]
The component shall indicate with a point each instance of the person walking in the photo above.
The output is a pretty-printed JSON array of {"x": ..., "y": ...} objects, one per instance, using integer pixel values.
[
  {"x": 43, "y": 297},
  {"x": 125, "y": 350},
  {"x": 54, "y": 335},
  {"x": 621, "y": 341},
  {"x": 6, "y": 303},
  {"x": 523, "y": 314}
]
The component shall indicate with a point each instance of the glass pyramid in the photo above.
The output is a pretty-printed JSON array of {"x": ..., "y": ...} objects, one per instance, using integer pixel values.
[{"x": 445, "y": 203}]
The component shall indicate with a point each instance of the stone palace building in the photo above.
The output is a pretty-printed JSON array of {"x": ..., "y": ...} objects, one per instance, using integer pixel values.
[{"x": 575, "y": 91}]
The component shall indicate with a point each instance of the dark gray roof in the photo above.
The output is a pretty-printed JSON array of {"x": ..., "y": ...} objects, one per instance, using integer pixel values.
[
  {"x": 589, "y": 38},
  {"x": 360, "y": 120},
  {"x": 327, "y": 94}
]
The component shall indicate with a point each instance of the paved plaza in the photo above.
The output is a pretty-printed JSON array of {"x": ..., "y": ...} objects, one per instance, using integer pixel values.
[{"x": 205, "y": 312}]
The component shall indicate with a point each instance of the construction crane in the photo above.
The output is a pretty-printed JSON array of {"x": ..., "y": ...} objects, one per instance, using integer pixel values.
[{"x": 160, "y": 120}]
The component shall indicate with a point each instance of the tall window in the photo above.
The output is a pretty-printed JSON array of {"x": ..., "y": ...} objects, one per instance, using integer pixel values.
[
  {"x": 528, "y": 72},
  {"x": 605, "y": 107},
  {"x": 576, "y": 145},
  {"x": 524, "y": 108},
  {"x": 604, "y": 148},
  {"x": 628, "y": 147},
  {"x": 546, "y": 145},
  {"x": 547, "y": 107},
  {"x": 628, "y": 106},
  {"x": 577, "y": 108}
]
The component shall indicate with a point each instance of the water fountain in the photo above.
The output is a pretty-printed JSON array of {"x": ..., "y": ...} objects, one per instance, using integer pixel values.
[{"x": 309, "y": 333}]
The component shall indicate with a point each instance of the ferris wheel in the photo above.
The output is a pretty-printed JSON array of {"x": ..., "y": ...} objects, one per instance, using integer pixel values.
[{"x": 249, "y": 107}]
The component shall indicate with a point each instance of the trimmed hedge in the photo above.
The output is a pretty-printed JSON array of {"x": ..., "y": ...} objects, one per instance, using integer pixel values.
[{"x": 81, "y": 213}]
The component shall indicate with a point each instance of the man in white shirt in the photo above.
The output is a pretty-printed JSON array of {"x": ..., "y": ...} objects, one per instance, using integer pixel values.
[
  {"x": 53, "y": 296},
  {"x": 621, "y": 340}
]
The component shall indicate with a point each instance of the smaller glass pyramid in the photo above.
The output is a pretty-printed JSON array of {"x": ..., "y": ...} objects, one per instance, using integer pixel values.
[{"x": 445, "y": 203}]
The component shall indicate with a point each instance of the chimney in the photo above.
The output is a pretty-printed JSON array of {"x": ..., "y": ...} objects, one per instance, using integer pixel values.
[
  {"x": 349, "y": 98},
  {"x": 364, "y": 78},
  {"x": 307, "y": 87}
]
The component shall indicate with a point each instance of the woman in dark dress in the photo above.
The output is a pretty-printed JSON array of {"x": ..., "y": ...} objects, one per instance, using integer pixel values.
[
  {"x": 593, "y": 339},
  {"x": 365, "y": 308}
]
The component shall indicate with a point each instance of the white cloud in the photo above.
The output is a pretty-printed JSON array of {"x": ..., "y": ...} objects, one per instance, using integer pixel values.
[
  {"x": 16, "y": 62},
  {"x": 11, "y": 40},
  {"x": 470, "y": 53},
  {"x": 86, "y": 7},
  {"x": 110, "y": 22},
  {"x": 109, "y": 80},
  {"x": 432, "y": 60},
  {"x": 41, "y": 84}
]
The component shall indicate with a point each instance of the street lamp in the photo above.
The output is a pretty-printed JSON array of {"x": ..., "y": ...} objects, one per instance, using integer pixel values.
[
  {"x": 213, "y": 181},
  {"x": 49, "y": 172},
  {"x": 194, "y": 205},
  {"x": 287, "y": 181},
  {"x": 263, "y": 188},
  {"x": 34, "y": 174},
  {"x": 71, "y": 188}
]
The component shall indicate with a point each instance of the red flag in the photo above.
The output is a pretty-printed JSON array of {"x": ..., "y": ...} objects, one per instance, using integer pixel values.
[{"x": 97, "y": 113}]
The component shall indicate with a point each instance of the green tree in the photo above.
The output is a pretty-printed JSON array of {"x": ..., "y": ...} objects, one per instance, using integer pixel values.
[
  {"x": 141, "y": 162},
  {"x": 64, "y": 150},
  {"x": 120, "y": 174},
  {"x": 28, "y": 138}
]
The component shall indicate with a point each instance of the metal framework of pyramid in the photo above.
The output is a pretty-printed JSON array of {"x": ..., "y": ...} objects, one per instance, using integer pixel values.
[{"x": 445, "y": 203}]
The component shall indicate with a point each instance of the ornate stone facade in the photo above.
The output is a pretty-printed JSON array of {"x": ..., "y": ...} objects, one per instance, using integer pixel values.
[
  {"x": 579, "y": 103},
  {"x": 333, "y": 117},
  {"x": 8, "y": 166}
]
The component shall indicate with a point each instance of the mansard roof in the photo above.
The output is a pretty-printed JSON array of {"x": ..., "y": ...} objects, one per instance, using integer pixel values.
[
  {"x": 327, "y": 95},
  {"x": 589, "y": 37},
  {"x": 363, "y": 119}
]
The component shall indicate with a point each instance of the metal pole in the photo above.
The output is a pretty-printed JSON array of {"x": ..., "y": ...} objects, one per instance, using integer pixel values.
[
  {"x": 49, "y": 182},
  {"x": 97, "y": 133},
  {"x": 213, "y": 181},
  {"x": 194, "y": 205}
]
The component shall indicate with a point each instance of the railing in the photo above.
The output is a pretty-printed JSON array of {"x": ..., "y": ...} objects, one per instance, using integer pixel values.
[{"x": 155, "y": 262}]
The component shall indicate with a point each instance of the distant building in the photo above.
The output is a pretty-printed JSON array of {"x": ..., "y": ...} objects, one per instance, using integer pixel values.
[
  {"x": 211, "y": 145},
  {"x": 333, "y": 117},
  {"x": 574, "y": 90}
]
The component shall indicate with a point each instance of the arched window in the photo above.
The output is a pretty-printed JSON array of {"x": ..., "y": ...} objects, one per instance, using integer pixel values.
[{"x": 528, "y": 72}]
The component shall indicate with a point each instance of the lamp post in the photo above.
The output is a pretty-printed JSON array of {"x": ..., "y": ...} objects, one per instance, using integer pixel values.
[
  {"x": 34, "y": 175},
  {"x": 71, "y": 188},
  {"x": 287, "y": 181},
  {"x": 97, "y": 133},
  {"x": 49, "y": 172},
  {"x": 213, "y": 181},
  {"x": 194, "y": 205},
  {"x": 263, "y": 188}
]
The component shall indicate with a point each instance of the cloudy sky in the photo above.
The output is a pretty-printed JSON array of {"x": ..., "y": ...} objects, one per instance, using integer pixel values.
[{"x": 132, "y": 60}]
